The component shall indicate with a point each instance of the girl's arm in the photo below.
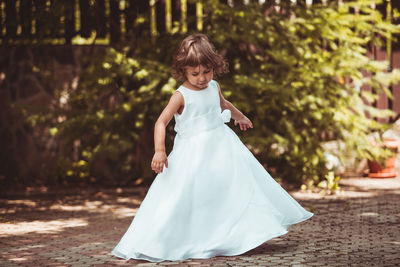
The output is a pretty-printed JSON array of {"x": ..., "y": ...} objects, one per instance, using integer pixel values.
[
  {"x": 160, "y": 156},
  {"x": 238, "y": 116}
]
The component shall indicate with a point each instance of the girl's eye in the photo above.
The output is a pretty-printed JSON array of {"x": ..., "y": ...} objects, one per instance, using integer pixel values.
[
  {"x": 207, "y": 71},
  {"x": 194, "y": 74}
]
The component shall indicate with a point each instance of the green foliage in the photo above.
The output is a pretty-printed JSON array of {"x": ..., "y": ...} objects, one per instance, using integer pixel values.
[
  {"x": 298, "y": 76},
  {"x": 106, "y": 125},
  {"x": 329, "y": 185}
]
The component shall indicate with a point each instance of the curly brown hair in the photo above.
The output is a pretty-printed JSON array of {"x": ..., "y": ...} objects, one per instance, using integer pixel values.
[{"x": 195, "y": 50}]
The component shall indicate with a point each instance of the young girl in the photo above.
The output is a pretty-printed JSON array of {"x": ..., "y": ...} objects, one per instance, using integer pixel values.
[{"x": 211, "y": 196}]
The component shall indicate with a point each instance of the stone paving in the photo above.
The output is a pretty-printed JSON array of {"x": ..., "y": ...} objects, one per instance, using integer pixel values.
[{"x": 358, "y": 227}]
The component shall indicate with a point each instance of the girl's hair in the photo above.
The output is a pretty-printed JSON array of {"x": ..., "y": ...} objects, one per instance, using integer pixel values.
[{"x": 195, "y": 50}]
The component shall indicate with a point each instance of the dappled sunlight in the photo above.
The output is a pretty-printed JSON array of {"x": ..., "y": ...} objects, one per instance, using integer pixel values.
[
  {"x": 25, "y": 202},
  {"x": 96, "y": 206},
  {"x": 125, "y": 212},
  {"x": 373, "y": 184},
  {"x": 54, "y": 223},
  {"x": 128, "y": 200},
  {"x": 19, "y": 259},
  {"x": 312, "y": 195},
  {"x": 64, "y": 205},
  {"x": 370, "y": 214},
  {"x": 102, "y": 207},
  {"x": 27, "y": 247},
  {"x": 356, "y": 187},
  {"x": 40, "y": 227},
  {"x": 69, "y": 227}
]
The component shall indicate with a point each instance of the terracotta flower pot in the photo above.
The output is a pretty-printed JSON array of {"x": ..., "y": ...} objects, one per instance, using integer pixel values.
[{"x": 387, "y": 171}]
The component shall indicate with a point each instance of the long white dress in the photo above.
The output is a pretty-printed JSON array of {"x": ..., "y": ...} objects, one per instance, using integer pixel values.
[{"x": 214, "y": 198}]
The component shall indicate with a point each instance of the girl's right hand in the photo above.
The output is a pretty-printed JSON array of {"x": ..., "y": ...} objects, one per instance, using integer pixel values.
[{"x": 159, "y": 159}]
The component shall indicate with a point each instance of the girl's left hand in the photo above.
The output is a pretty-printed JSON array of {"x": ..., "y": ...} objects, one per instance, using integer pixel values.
[{"x": 244, "y": 123}]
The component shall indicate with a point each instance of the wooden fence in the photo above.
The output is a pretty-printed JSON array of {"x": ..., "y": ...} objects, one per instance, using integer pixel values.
[
  {"x": 72, "y": 21},
  {"x": 108, "y": 21}
]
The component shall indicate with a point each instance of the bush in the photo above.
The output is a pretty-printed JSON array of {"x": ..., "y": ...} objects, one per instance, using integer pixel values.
[
  {"x": 109, "y": 118},
  {"x": 297, "y": 75}
]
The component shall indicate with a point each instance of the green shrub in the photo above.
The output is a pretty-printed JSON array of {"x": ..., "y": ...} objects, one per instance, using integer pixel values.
[
  {"x": 296, "y": 75},
  {"x": 109, "y": 118}
]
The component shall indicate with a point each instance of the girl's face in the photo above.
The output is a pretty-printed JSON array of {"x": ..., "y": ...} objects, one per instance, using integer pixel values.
[{"x": 199, "y": 76}]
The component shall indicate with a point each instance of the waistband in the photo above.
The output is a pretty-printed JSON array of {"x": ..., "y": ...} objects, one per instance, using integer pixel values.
[{"x": 202, "y": 123}]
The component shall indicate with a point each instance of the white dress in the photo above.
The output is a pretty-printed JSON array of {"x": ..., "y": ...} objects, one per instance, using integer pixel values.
[{"x": 214, "y": 198}]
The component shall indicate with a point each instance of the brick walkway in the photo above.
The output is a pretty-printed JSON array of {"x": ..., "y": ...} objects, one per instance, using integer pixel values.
[{"x": 359, "y": 227}]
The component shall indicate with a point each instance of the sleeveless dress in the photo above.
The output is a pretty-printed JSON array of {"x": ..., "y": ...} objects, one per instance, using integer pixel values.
[{"x": 214, "y": 198}]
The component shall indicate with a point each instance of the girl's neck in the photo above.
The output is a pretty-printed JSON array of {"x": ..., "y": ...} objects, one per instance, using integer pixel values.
[{"x": 191, "y": 87}]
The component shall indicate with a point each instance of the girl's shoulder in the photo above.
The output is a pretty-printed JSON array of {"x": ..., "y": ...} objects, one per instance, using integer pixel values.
[
  {"x": 181, "y": 90},
  {"x": 215, "y": 84}
]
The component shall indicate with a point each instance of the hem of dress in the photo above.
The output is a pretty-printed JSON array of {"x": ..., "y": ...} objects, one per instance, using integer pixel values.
[
  {"x": 255, "y": 244},
  {"x": 127, "y": 258},
  {"x": 240, "y": 251},
  {"x": 304, "y": 218},
  {"x": 265, "y": 239}
]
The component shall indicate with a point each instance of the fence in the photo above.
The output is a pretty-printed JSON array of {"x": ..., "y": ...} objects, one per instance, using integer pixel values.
[{"x": 70, "y": 22}]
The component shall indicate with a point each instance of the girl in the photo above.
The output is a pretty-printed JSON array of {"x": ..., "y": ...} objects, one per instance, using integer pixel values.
[{"x": 210, "y": 196}]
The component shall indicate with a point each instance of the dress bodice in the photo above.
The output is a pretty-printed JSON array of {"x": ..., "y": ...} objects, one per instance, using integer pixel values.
[{"x": 201, "y": 112}]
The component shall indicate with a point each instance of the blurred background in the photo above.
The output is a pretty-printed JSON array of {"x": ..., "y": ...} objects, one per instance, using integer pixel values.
[{"x": 82, "y": 83}]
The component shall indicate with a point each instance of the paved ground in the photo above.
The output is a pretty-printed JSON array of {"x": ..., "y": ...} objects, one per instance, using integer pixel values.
[{"x": 359, "y": 227}]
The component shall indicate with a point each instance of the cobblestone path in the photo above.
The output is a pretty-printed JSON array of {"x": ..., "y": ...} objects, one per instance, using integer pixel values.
[{"x": 358, "y": 227}]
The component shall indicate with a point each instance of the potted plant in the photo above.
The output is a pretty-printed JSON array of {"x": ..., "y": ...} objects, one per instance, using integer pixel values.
[{"x": 385, "y": 168}]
